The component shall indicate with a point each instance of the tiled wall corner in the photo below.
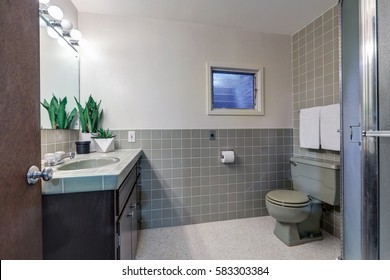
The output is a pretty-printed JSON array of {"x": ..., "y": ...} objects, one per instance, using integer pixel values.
[
  {"x": 184, "y": 182},
  {"x": 315, "y": 53}
]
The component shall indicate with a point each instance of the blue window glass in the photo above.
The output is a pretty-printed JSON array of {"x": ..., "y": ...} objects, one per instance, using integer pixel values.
[{"x": 233, "y": 90}]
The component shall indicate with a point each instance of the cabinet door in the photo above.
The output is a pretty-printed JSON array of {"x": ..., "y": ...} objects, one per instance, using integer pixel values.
[
  {"x": 128, "y": 222},
  {"x": 79, "y": 226},
  {"x": 134, "y": 221},
  {"x": 125, "y": 233}
]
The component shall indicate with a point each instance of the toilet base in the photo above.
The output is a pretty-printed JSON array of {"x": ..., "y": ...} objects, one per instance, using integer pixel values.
[{"x": 289, "y": 234}]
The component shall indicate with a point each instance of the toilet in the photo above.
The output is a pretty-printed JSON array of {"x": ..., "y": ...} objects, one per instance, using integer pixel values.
[{"x": 298, "y": 212}]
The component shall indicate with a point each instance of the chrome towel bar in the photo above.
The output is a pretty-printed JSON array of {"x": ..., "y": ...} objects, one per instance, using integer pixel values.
[{"x": 376, "y": 133}]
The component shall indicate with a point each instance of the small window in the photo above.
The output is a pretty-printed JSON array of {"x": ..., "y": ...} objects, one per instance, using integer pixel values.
[{"x": 235, "y": 91}]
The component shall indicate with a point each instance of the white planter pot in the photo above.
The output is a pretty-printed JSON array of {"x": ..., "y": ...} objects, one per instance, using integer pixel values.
[
  {"x": 104, "y": 145},
  {"x": 88, "y": 137}
]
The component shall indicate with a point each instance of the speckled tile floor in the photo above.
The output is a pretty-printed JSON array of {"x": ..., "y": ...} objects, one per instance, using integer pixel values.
[{"x": 241, "y": 239}]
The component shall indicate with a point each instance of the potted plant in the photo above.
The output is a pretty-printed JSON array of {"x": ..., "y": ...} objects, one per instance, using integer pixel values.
[
  {"x": 58, "y": 116},
  {"x": 104, "y": 140},
  {"x": 90, "y": 117}
]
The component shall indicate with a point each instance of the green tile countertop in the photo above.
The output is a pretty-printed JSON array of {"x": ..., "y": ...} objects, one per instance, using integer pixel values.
[{"x": 108, "y": 177}]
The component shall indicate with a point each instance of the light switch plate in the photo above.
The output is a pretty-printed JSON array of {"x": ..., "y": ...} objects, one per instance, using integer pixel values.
[{"x": 131, "y": 137}]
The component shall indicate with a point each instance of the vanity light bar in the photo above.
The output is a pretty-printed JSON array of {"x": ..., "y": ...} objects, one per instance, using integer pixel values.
[{"x": 62, "y": 26}]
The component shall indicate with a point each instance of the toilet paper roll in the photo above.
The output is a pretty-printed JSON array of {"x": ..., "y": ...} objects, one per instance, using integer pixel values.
[{"x": 227, "y": 157}]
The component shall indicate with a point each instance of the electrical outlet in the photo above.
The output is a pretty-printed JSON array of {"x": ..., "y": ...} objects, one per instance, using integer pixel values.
[{"x": 131, "y": 136}]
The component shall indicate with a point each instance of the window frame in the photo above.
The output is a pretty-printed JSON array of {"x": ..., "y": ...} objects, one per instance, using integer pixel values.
[{"x": 258, "y": 72}]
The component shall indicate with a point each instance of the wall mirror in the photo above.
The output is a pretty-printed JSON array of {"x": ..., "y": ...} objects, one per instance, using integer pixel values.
[{"x": 59, "y": 71}]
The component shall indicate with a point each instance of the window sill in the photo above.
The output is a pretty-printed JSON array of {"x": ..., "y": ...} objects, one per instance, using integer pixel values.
[{"x": 234, "y": 112}]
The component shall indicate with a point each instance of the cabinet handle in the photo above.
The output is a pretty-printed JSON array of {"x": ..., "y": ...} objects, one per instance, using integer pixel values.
[
  {"x": 131, "y": 214},
  {"x": 133, "y": 206}
]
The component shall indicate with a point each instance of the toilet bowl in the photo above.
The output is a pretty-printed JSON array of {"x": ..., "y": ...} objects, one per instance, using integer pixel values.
[
  {"x": 298, "y": 212},
  {"x": 298, "y": 219}
]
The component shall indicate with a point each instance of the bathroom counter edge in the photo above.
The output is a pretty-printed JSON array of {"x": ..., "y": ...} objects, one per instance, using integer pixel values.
[{"x": 109, "y": 177}]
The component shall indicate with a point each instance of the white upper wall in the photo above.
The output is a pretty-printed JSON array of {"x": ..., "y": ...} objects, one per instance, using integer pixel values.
[{"x": 151, "y": 73}]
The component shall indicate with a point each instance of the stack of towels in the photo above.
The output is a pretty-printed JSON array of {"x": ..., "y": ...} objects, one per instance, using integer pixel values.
[{"x": 320, "y": 127}]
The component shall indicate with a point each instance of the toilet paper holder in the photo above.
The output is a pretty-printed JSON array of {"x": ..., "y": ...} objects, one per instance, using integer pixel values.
[{"x": 227, "y": 156}]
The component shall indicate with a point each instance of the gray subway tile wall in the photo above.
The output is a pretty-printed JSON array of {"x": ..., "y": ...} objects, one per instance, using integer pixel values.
[
  {"x": 315, "y": 54},
  {"x": 54, "y": 140},
  {"x": 184, "y": 182}
]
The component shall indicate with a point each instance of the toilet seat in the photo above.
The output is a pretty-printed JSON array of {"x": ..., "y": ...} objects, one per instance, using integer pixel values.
[{"x": 288, "y": 198}]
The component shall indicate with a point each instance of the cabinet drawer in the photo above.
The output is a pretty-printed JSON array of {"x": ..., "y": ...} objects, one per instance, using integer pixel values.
[{"x": 125, "y": 190}]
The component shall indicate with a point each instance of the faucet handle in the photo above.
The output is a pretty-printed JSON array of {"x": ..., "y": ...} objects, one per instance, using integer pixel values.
[
  {"x": 72, "y": 154},
  {"x": 49, "y": 158}
]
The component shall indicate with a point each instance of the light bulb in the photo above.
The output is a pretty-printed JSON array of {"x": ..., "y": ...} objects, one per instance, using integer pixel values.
[
  {"x": 55, "y": 12},
  {"x": 75, "y": 34},
  {"x": 44, "y": 1},
  {"x": 66, "y": 25},
  {"x": 52, "y": 33}
]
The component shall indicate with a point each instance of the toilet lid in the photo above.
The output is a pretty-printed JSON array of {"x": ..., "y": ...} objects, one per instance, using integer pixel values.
[{"x": 288, "y": 197}]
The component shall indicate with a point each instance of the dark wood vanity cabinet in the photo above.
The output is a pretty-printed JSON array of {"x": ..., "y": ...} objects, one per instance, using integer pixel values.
[{"x": 95, "y": 225}]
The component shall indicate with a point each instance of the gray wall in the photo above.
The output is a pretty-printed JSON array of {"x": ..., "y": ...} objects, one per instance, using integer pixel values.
[{"x": 315, "y": 51}]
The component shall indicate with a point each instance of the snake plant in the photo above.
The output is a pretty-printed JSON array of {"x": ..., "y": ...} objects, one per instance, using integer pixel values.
[
  {"x": 90, "y": 115},
  {"x": 58, "y": 116}
]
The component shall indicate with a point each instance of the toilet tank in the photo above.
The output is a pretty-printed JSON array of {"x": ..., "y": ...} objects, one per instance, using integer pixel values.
[{"x": 318, "y": 178}]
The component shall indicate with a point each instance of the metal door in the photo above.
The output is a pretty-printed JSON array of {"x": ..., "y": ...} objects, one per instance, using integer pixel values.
[
  {"x": 351, "y": 146},
  {"x": 366, "y": 210}
]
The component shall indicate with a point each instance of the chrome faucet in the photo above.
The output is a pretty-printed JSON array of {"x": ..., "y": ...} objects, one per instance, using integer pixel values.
[{"x": 60, "y": 159}]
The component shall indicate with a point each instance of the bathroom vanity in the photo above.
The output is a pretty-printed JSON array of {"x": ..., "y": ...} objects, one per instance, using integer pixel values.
[{"x": 94, "y": 212}]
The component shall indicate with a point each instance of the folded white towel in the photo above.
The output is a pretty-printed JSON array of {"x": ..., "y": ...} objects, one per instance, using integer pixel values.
[
  {"x": 309, "y": 128},
  {"x": 329, "y": 127}
]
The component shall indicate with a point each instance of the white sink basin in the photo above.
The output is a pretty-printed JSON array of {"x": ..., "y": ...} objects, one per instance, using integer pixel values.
[{"x": 88, "y": 163}]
